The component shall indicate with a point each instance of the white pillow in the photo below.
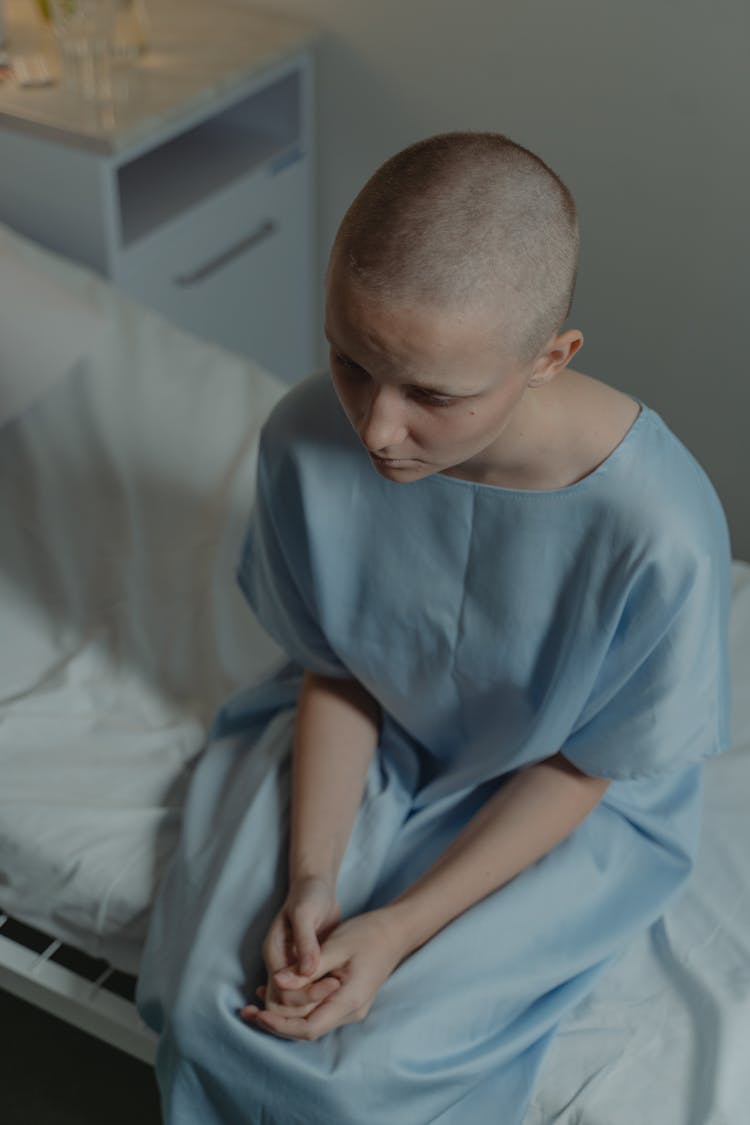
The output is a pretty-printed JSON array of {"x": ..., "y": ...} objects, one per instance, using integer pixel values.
[{"x": 45, "y": 328}]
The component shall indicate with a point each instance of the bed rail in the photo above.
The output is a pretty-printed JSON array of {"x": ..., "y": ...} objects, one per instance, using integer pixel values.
[{"x": 85, "y": 992}]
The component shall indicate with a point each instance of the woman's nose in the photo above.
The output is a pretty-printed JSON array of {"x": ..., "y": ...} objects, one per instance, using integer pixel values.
[{"x": 382, "y": 425}]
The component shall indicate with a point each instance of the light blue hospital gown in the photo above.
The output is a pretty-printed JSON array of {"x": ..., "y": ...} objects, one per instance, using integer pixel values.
[{"x": 495, "y": 627}]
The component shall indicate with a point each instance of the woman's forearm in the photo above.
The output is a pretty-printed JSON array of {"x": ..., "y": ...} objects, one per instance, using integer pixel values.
[
  {"x": 335, "y": 735},
  {"x": 534, "y": 811}
]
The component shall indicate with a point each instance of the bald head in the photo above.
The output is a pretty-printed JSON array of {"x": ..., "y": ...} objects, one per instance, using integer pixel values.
[{"x": 467, "y": 221}]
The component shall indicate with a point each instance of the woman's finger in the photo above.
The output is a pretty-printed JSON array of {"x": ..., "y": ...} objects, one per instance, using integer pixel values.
[
  {"x": 330, "y": 957},
  {"x": 287, "y": 980},
  {"x": 336, "y": 1010},
  {"x": 292, "y": 1003},
  {"x": 277, "y": 944},
  {"x": 306, "y": 944},
  {"x": 314, "y": 993},
  {"x": 288, "y": 977},
  {"x": 297, "y": 1011}
]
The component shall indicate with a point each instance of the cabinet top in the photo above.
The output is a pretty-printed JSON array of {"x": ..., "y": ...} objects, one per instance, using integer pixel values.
[{"x": 200, "y": 53}]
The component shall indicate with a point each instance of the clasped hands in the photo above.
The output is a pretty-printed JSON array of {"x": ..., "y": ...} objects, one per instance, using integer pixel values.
[{"x": 321, "y": 973}]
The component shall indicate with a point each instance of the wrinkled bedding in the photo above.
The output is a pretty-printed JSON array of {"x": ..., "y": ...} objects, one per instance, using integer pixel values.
[
  {"x": 125, "y": 488},
  {"x": 664, "y": 1035}
]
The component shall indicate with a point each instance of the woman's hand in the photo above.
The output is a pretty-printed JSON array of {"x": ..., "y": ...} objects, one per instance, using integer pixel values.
[
  {"x": 359, "y": 955},
  {"x": 309, "y": 912}
]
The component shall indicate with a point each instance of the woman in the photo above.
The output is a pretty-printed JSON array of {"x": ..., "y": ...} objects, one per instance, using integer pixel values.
[{"x": 503, "y": 587}]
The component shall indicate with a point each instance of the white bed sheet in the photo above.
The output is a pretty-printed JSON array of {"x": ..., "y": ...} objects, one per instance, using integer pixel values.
[
  {"x": 127, "y": 630},
  {"x": 125, "y": 489},
  {"x": 664, "y": 1037}
]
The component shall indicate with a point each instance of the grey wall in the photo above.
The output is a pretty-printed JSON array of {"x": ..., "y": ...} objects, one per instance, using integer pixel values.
[{"x": 641, "y": 107}]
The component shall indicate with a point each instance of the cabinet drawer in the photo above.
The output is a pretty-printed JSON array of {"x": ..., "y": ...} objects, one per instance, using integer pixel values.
[{"x": 236, "y": 269}]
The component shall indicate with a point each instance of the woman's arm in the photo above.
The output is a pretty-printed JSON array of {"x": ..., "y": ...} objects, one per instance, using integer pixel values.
[
  {"x": 335, "y": 735},
  {"x": 537, "y": 808}
]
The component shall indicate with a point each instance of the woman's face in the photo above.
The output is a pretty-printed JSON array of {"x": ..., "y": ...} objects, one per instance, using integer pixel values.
[{"x": 429, "y": 392}]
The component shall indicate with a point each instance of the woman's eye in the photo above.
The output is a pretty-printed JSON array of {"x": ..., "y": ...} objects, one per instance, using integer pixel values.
[
  {"x": 426, "y": 397},
  {"x": 434, "y": 400},
  {"x": 349, "y": 364}
]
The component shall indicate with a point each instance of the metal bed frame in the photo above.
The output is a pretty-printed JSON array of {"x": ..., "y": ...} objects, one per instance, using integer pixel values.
[{"x": 84, "y": 991}]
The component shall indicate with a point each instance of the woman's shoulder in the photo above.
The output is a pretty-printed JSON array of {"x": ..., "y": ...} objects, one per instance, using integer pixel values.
[
  {"x": 659, "y": 496},
  {"x": 303, "y": 403},
  {"x": 309, "y": 411},
  {"x": 307, "y": 427}
]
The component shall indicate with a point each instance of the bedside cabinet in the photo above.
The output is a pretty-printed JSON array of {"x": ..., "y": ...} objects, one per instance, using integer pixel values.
[{"x": 196, "y": 193}]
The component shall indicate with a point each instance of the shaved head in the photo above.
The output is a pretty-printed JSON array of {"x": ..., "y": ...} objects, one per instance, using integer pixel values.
[{"x": 467, "y": 221}]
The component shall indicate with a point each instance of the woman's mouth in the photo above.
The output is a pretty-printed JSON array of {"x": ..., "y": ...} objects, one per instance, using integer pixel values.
[{"x": 391, "y": 462}]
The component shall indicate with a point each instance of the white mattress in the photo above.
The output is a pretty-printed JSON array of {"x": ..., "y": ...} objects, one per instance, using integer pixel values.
[{"x": 124, "y": 492}]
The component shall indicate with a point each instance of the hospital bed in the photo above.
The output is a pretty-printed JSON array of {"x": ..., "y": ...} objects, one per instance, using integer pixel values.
[{"x": 127, "y": 462}]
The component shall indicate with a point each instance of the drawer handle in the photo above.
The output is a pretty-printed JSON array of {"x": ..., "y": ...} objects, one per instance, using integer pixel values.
[{"x": 262, "y": 232}]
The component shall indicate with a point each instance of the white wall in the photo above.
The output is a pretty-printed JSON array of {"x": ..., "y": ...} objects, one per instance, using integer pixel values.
[{"x": 641, "y": 107}]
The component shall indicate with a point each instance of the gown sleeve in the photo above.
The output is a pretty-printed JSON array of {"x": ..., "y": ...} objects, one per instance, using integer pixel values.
[
  {"x": 661, "y": 699},
  {"x": 274, "y": 571}
]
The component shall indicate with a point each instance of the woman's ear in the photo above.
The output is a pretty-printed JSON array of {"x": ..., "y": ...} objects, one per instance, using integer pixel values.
[{"x": 556, "y": 355}]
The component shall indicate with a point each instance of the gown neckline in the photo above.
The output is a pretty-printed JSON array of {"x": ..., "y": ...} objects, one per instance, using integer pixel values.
[{"x": 600, "y": 470}]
